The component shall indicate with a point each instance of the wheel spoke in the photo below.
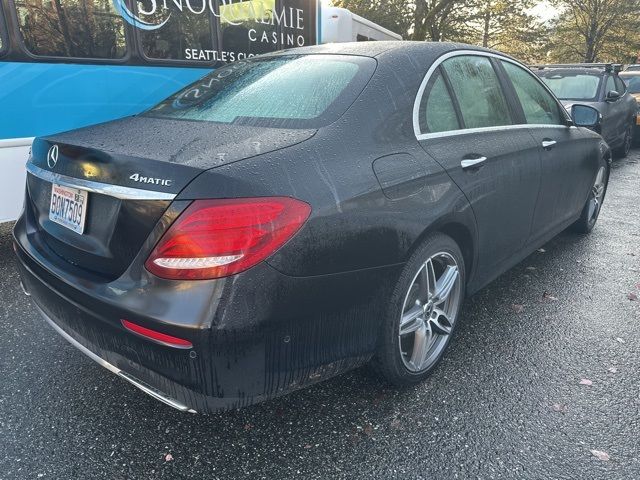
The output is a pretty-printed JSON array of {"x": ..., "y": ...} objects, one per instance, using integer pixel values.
[
  {"x": 593, "y": 205},
  {"x": 441, "y": 323},
  {"x": 431, "y": 277},
  {"x": 423, "y": 284},
  {"x": 421, "y": 344},
  {"x": 445, "y": 284},
  {"x": 411, "y": 320}
]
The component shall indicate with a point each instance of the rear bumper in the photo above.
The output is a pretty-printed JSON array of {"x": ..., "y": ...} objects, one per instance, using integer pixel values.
[
  {"x": 158, "y": 395},
  {"x": 255, "y": 336},
  {"x": 164, "y": 373}
]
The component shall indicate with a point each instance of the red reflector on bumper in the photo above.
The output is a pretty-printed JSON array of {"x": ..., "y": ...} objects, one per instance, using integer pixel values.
[{"x": 157, "y": 337}]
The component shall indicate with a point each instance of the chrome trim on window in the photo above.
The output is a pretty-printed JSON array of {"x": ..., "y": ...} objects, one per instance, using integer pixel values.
[
  {"x": 158, "y": 395},
  {"x": 477, "y": 53},
  {"x": 117, "y": 191}
]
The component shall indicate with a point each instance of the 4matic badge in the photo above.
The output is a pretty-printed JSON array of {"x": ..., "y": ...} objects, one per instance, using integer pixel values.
[{"x": 165, "y": 182}]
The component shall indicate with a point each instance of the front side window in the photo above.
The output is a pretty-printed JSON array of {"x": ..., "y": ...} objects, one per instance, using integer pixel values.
[
  {"x": 184, "y": 34},
  {"x": 538, "y": 105},
  {"x": 478, "y": 92},
  {"x": 611, "y": 85},
  {"x": 569, "y": 85},
  {"x": 290, "y": 91},
  {"x": 72, "y": 28},
  {"x": 437, "y": 112}
]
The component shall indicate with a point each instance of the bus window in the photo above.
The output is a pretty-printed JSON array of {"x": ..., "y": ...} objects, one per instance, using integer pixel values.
[
  {"x": 71, "y": 28},
  {"x": 3, "y": 33},
  {"x": 300, "y": 29},
  {"x": 186, "y": 35},
  {"x": 248, "y": 27}
]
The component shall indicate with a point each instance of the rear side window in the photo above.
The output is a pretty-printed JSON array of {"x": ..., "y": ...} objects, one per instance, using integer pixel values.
[
  {"x": 291, "y": 91},
  {"x": 538, "y": 104},
  {"x": 478, "y": 92},
  {"x": 72, "y": 28},
  {"x": 437, "y": 111}
]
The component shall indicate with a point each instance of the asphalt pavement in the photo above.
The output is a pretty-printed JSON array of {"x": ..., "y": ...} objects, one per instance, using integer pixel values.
[{"x": 541, "y": 381}]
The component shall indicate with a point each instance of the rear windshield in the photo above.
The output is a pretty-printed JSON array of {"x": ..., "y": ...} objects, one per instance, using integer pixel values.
[
  {"x": 573, "y": 86},
  {"x": 633, "y": 83},
  {"x": 289, "y": 91}
]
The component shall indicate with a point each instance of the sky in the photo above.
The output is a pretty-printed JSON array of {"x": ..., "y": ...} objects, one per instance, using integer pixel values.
[{"x": 544, "y": 10}]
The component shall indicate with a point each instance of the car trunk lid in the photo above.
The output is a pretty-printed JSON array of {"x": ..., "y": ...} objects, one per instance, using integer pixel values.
[{"x": 132, "y": 169}]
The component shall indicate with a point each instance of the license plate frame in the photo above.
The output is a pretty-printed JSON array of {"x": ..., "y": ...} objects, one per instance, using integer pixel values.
[{"x": 68, "y": 207}]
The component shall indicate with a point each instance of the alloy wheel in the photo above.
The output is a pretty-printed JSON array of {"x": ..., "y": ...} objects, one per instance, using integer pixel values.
[{"x": 429, "y": 312}]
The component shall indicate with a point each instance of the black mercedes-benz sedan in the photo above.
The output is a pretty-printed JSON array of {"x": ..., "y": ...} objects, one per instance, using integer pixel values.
[{"x": 298, "y": 214}]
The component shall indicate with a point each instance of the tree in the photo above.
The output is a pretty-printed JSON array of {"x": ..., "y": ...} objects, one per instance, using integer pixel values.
[
  {"x": 394, "y": 15},
  {"x": 596, "y": 30},
  {"x": 505, "y": 25}
]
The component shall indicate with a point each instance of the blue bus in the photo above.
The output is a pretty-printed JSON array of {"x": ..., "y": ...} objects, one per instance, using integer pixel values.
[{"x": 65, "y": 64}]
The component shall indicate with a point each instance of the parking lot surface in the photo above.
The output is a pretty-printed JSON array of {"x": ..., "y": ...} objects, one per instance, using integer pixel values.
[{"x": 541, "y": 381}]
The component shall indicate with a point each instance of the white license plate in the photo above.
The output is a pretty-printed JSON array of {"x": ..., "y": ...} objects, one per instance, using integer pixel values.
[{"x": 68, "y": 207}]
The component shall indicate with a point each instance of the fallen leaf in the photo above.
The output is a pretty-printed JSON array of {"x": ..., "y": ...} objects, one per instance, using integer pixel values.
[
  {"x": 547, "y": 296},
  {"x": 518, "y": 308},
  {"x": 541, "y": 250},
  {"x": 600, "y": 455},
  {"x": 248, "y": 426},
  {"x": 558, "y": 407},
  {"x": 368, "y": 430},
  {"x": 612, "y": 370},
  {"x": 168, "y": 457},
  {"x": 633, "y": 297},
  {"x": 307, "y": 446},
  {"x": 620, "y": 340},
  {"x": 586, "y": 381},
  {"x": 531, "y": 268}
]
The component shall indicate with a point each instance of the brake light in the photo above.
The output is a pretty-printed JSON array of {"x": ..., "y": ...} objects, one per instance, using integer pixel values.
[{"x": 218, "y": 238}]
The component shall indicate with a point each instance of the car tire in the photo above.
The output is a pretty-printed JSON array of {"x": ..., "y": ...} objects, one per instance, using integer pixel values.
[
  {"x": 593, "y": 205},
  {"x": 430, "y": 288},
  {"x": 623, "y": 150}
]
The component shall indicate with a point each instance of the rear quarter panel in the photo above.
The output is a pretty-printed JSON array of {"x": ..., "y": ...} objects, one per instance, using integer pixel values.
[{"x": 353, "y": 224}]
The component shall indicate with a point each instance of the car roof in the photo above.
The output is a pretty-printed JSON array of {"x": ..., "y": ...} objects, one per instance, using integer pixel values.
[{"x": 376, "y": 49}]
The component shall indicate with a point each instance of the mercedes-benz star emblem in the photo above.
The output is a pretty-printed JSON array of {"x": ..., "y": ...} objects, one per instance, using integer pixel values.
[{"x": 52, "y": 156}]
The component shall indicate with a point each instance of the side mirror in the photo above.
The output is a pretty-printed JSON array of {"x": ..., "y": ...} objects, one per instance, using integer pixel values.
[
  {"x": 585, "y": 116},
  {"x": 612, "y": 96}
]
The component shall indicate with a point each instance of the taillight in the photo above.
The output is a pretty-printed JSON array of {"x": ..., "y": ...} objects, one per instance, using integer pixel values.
[{"x": 217, "y": 238}]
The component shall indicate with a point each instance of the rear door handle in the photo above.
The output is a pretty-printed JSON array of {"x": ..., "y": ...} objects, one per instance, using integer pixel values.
[
  {"x": 472, "y": 162},
  {"x": 548, "y": 144}
]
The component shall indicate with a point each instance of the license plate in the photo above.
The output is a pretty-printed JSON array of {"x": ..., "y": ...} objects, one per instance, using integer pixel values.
[{"x": 68, "y": 207}]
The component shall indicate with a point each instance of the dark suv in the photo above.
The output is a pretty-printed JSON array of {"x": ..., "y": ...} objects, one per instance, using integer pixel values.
[{"x": 600, "y": 86}]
